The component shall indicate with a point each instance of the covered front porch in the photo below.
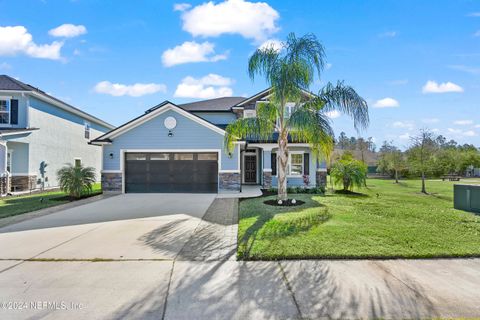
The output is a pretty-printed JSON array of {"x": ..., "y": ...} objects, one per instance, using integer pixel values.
[{"x": 259, "y": 166}]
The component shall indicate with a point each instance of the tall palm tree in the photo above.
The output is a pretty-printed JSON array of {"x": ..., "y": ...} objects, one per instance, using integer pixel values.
[{"x": 290, "y": 71}]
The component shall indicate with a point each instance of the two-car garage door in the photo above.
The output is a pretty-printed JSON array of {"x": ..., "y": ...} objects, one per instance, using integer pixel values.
[{"x": 171, "y": 172}]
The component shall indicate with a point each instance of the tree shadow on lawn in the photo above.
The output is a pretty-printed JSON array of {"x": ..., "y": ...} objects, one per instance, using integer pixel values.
[{"x": 266, "y": 227}]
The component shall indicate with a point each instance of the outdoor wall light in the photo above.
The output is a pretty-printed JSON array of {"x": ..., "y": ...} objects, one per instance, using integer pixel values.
[
  {"x": 111, "y": 155},
  {"x": 230, "y": 155},
  {"x": 170, "y": 133}
]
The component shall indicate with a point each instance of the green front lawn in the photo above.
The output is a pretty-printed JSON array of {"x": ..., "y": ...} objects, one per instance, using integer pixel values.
[
  {"x": 12, "y": 206},
  {"x": 399, "y": 222}
]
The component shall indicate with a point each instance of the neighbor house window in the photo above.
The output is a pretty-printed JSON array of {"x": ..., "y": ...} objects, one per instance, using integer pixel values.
[
  {"x": 78, "y": 162},
  {"x": 9, "y": 162},
  {"x": 289, "y": 107},
  {"x": 250, "y": 113},
  {"x": 87, "y": 130},
  {"x": 295, "y": 164},
  {"x": 4, "y": 111}
]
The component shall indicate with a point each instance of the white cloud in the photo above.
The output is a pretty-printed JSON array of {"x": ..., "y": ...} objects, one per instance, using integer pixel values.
[
  {"x": 463, "y": 122},
  {"x": 274, "y": 44},
  {"x": 191, "y": 51},
  {"x": 405, "y": 136},
  {"x": 477, "y": 126},
  {"x": 181, "y": 6},
  {"x": 16, "y": 40},
  {"x": 459, "y": 132},
  {"x": 434, "y": 87},
  {"x": 477, "y": 34},
  {"x": 403, "y": 124},
  {"x": 388, "y": 34},
  {"x": 134, "y": 90},
  {"x": 333, "y": 114},
  {"x": 471, "y": 70},
  {"x": 474, "y": 14},
  {"x": 209, "y": 87},
  {"x": 430, "y": 120},
  {"x": 68, "y": 30},
  {"x": 5, "y": 66},
  {"x": 386, "y": 103},
  {"x": 252, "y": 20}
]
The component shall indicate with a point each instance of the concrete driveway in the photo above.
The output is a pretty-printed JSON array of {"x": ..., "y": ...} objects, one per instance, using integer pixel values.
[
  {"x": 173, "y": 257},
  {"x": 129, "y": 226}
]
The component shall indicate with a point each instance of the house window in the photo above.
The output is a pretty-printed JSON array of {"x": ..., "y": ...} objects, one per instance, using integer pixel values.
[
  {"x": 4, "y": 112},
  {"x": 295, "y": 164},
  {"x": 250, "y": 113},
  {"x": 78, "y": 162},
  {"x": 289, "y": 107},
  {"x": 9, "y": 162},
  {"x": 87, "y": 130},
  {"x": 183, "y": 156}
]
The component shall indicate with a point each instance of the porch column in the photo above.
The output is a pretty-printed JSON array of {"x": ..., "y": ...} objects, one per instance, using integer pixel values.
[
  {"x": 321, "y": 174},
  {"x": 267, "y": 168},
  {"x": 4, "y": 177}
]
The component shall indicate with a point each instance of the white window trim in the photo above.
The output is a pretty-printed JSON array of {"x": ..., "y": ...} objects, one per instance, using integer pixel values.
[
  {"x": 9, "y": 108},
  {"x": 289, "y": 162},
  {"x": 9, "y": 152},
  {"x": 87, "y": 127}
]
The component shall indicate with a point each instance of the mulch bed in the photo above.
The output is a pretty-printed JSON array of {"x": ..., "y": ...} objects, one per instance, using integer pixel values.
[{"x": 287, "y": 203}]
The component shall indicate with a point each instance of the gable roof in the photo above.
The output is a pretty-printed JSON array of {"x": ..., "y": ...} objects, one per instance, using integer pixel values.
[
  {"x": 150, "y": 114},
  {"x": 264, "y": 94},
  {"x": 8, "y": 83},
  {"x": 218, "y": 104}
]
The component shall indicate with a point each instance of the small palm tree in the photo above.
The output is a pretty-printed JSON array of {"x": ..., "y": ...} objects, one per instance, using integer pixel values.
[
  {"x": 349, "y": 172},
  {"x": 290, "y": 72},
  {"x": 76, "y": 180}
]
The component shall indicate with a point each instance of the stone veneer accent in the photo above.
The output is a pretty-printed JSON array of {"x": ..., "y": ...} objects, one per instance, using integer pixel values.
[
  {"x": 321, "y": 178},
  {"x": 23, "y": 183},
  {"x": 5, "y": 183},
  {"x": 112, "y": 182},
  {"x": 229, "y": 181},
  {"x": 267, "y": 179}
]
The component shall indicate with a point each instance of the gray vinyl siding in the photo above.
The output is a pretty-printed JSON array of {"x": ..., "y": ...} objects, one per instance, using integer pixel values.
[
  {"x": 217, "y": 117},
  {"x": 152, "y": 135},
  {"x": 20, "y": 156}
]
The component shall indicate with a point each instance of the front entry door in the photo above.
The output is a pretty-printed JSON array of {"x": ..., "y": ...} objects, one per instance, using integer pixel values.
[{"x": 250, "y": 168}]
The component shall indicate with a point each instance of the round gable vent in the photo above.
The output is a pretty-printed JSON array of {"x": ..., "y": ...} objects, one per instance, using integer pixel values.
[{"x": 170, "y": 123}]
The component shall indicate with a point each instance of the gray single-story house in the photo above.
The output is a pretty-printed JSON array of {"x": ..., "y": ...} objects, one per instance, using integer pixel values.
[
  {"x": 180, "y": 148},
  {"x": 39, "y": 134}
]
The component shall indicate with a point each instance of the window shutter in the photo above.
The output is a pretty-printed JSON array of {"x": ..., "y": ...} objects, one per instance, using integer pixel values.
[
  {"x": 306, "y": 163},
  {"x": 274, "y": 164},
  {"x": 13, "y": 111}
]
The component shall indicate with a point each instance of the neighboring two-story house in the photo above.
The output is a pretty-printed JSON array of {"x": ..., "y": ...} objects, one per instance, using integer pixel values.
[
  {"x": 39, "y": 134},
  {"x": 180, "y": 148}
]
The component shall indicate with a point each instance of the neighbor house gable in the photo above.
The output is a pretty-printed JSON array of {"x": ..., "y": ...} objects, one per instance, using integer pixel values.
[{"x": 151, "y": 114}]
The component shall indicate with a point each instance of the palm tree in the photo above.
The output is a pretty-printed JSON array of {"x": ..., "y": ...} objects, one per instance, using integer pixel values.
[
  {"x": 290, "y": 72},
  {"x": 76, "y": 180}
]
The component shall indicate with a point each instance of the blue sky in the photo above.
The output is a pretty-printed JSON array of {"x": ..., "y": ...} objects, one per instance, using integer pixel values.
[{"x": 417, "y": 63}]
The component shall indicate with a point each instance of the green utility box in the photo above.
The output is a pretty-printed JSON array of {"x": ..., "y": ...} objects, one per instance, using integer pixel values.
[{"x": 466, "y": 197}]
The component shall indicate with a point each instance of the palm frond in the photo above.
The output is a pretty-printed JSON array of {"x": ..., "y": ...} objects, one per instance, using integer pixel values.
[
  {"x": 256, "y": 128},
  {"x": 310, "y": 126},
  {"x": 346, "y": 100}
]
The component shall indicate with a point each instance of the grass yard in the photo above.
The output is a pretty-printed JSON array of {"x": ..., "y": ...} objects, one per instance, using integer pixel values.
[
  {"x": 399, "y": 222},
  {"x": 12, "y": 206}
]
